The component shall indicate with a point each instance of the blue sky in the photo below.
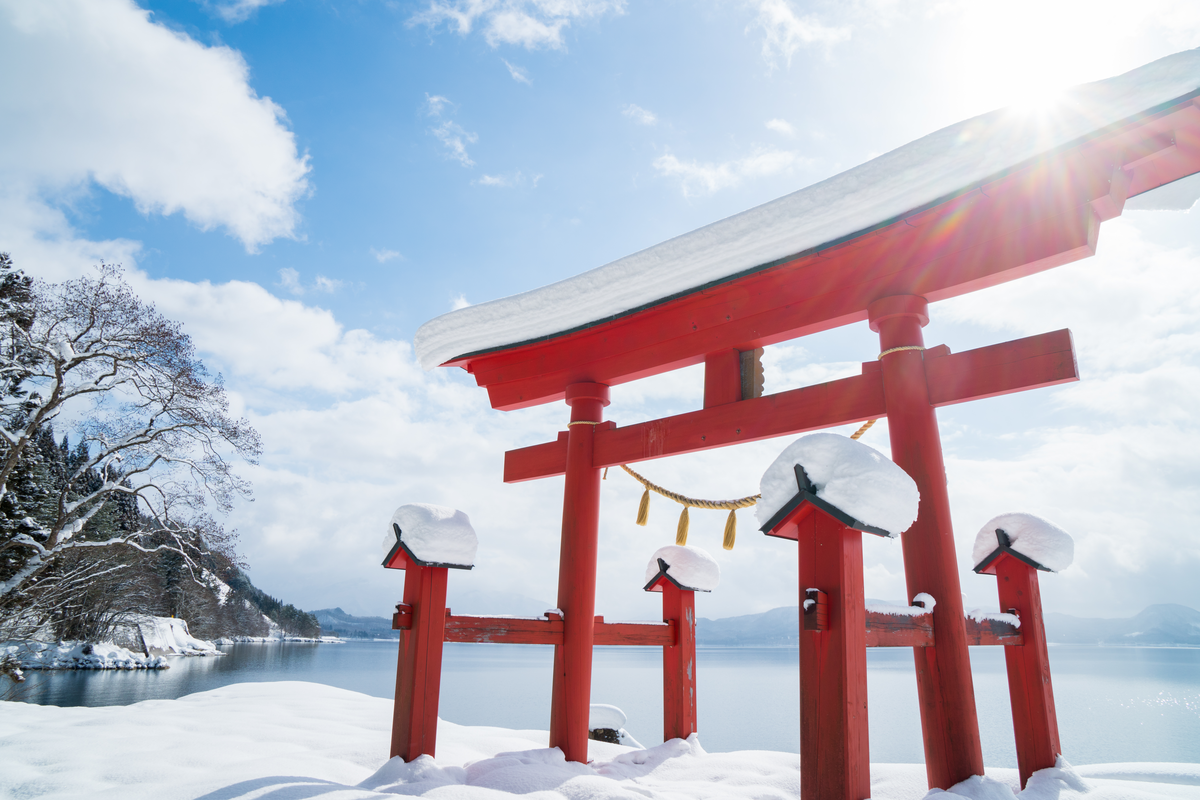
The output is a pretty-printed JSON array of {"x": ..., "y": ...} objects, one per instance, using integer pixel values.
[{"x": 303, "y": 183}]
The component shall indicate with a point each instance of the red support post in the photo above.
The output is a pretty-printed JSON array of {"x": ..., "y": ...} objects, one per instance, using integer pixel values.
[
  {"x": 949, "y": 722},
  {"x": 834, "y": 754},
  {"x": 1035, "y": 723},
  {"x": 679, "y": 663},
  {"x": 572, "y": 691},
  {"x": 419, "y": 666},
  {"x": 722, "y": 378}
]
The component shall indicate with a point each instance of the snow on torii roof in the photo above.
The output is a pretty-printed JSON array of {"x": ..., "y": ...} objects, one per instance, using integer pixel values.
[{"x": 1144, "y": 121}]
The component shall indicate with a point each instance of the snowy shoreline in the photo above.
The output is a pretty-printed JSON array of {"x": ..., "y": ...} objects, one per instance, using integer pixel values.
[
  {"x": 47, "y": 656},
  {"x": 296, "y": 739}
]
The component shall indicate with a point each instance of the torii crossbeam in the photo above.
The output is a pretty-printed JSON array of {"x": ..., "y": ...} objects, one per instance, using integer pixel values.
[{"x": 1040, "y": 211}]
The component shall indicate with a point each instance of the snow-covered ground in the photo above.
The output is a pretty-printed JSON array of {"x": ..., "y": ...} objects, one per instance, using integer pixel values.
[{"x": 289, "y": 740}]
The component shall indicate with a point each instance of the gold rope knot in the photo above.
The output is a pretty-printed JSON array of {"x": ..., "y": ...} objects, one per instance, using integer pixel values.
[{"x": 581, "y": 422}]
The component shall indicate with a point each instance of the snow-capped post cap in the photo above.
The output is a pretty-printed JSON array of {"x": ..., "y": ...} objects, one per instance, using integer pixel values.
[
  {"x": 601, "y": 715},
  {"x": 1037, "y": 542},
  {"x": 689, "y": 568},
  {"x": 430, "y": 536},
  {"x": 854, "y": 483}
]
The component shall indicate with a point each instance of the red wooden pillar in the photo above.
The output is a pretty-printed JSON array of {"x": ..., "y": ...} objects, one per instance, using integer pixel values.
[
  {"x": 679, "y": 663},
  {"x": 834, "y": 753},
  {"x": 944, "y": 687},
  {"x": 572, "y": 692},
  {"x": 1035, "y": 723},
  {"x": 419, "y": 667}
]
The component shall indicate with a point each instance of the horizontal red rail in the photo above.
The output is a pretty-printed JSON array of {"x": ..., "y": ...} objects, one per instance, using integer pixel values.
[
  {"x": 1047, "y": 359},
  {"x": 883, "y": 630}
]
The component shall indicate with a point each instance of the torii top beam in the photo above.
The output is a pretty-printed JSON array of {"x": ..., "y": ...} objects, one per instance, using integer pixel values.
[{"x": 985, "y": 201}]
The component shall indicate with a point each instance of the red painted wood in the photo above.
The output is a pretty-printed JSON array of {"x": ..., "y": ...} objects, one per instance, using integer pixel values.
[
  {"x": 774, "y": 310},
  {"x": 636, "y": 634},
  {"x": 944, "y": 686},
  {"x": 722, "y": 377},
  {"x": 507, "y": 630},
  {"x": 888, "y": 630},
  {"x": 1036, "y": 217},
  {"x": 512, "y": 630},
  {"x": 1035, "y": 723},
  {"x": 993, "y": 632},
  {"x": 572, "y": 689},
  {"x": 679, "y": 664},
  {"x": 834, "y": 753},
  {"x": 402, "y": 619},
  {"x": 419, "y": 664},
  {"x": 1035, "y": 361},
  {"x": 1044, "y": 360},
  {"x": 816, "y": 604}
]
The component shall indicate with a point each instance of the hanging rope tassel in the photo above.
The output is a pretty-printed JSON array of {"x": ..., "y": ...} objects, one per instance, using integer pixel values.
[
  {"x": 730, "y": 529},
  {"x": 682, "y": 530},
  {"x": 644, "y": 508}
]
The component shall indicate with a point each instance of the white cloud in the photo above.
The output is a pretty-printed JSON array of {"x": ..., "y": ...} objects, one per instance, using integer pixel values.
[
  {"x": 234, "y": 11},
  {"x": 696, "y": 178},
  {"x": 639, "y": 115},
  {"x": 459, "y": 302},
  {"x": 526, "y": 23},
  {"x": 385, "y": 255},
  {"x": 171, "y": 124},
  {"x": 455, "y": 139},
  {"x": 436, "y": 104},
  {"x": 289, "y": 279},
  {"x": 519, "y": 75},
  {"x": 781, "y": 127},
  {"x": 506, "y": 181},
  {"x": 784, "y": 32}
]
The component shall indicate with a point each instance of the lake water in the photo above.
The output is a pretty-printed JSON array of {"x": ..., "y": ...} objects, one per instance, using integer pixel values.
[{"x": 1114, "y": 704}]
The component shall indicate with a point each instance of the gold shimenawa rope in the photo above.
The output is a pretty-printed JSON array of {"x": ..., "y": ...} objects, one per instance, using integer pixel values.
[
  {"x": 732, "y": 506},
  {"x": 899, "y": 349},
  {"x": 681, "y": 530}
]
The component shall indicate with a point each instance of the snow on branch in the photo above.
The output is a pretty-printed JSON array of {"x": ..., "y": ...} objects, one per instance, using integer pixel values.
[{"x": 154, "y": 425}]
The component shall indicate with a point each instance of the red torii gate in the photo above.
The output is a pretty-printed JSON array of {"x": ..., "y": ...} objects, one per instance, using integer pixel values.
[{"x": 1037, "y": 215}]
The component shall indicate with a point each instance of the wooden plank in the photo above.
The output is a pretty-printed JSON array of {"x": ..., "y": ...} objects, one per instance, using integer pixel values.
[
  {"x": 807, "y": 409},
  {"x": 509, "y": 630},
  {"x": 993, "y": 632},
  {"x": 1044, "y": 360},
  {"x": 1033, "y": 362},
  {"x": 636, "y": 634},
  {"x": 892, "y": 630},
  {"x": 722, "y": 377},
  {"x": 519, "y": 630}
]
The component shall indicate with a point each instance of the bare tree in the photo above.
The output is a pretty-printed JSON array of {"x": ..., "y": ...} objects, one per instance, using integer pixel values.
[{"x": 153, "y": 426}]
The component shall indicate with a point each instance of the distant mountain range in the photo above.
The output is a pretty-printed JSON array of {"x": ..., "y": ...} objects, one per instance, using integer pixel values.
[{"x": 1166, "y": 624}]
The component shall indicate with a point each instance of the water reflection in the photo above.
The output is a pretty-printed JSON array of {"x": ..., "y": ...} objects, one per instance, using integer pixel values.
[{"x": 1114, "y": 704}]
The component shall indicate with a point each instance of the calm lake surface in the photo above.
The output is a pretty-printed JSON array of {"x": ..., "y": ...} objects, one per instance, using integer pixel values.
[{"x": 1114, "y": 704}]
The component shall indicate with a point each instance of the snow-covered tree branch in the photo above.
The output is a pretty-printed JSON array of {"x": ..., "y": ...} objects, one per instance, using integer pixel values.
[{"x": 154, "y": 441}]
